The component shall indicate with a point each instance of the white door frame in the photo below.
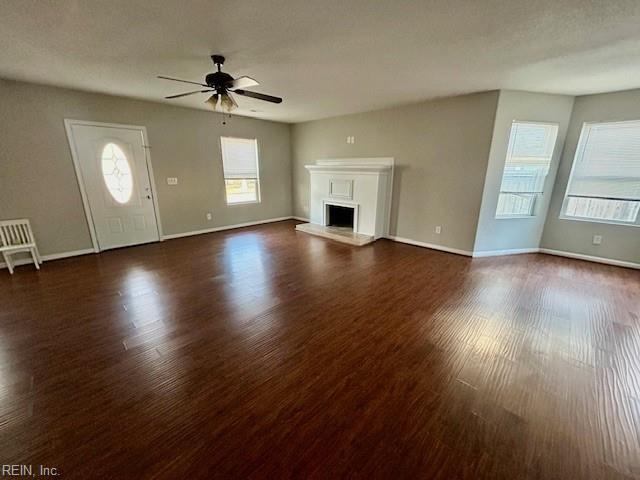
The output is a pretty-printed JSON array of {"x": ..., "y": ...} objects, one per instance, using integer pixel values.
[{"x": 68, "y": 124}]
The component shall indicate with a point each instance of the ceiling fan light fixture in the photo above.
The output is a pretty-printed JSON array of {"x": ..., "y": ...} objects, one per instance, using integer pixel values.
[
  {"x": 213, "y": 100},
  {"x": 226, "y": 102}
]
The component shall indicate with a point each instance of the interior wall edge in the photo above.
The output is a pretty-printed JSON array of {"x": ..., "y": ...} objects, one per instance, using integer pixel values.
[
  {"x": 432, "y": 246},
  {"x": 224, "y": 227},
  {"x": 51, "y": 256},
  {"x": 591, "y": 258},
  {"x": 75, "y": 253},
  {"x": 507, "y": 234}
]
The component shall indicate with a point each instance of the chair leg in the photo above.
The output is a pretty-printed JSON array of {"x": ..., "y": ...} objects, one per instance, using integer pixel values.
[
  {"x": 34, "y": 255},
  {"x": 7, "y": 260},
  {"x": 38, "y": 255}
]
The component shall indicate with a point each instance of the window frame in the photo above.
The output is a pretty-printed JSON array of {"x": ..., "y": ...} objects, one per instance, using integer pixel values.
[
  {"x": 257, "y": 179},
  {"x": 130, "y": 166},
  {"x": 580, "y": 148},
  {"x": 534, "y": 207},
  {"x": 535, "y": 195}
]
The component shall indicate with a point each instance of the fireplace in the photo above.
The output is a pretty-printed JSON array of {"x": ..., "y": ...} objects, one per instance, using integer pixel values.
[
  {"x": 350, "y": 199},
  {"x": 340, "y": 216}
]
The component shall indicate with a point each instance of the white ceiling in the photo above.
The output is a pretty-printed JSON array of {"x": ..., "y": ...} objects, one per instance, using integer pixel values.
[{"x": 325, "y": 57}]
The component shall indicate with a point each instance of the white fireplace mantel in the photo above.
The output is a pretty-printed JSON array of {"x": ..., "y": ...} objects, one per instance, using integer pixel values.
[
  {"x": 371, "y": 169},
  {"x": 362, "y": 183}
]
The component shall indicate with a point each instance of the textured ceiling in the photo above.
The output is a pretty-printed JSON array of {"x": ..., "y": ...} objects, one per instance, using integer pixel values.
[{"x": 324, "y": 57}]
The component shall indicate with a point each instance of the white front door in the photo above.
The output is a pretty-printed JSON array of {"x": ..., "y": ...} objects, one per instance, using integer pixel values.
[{"x": 113, "y": 169}]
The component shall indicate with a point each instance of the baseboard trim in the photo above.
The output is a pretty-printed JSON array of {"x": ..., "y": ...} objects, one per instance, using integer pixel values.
[
  {"x": 301, "y": 219},
  {"x": 432, "y": 246},
  {"x": 511, "y": 251},
  {"x": 590, "y": 258},
  {"x": 408, "y": 241},
  {"x": 75, "y": 253},
  {"x": 52, "y": 256},
  {"x": 517, "y": 251},
  {"x": 224, "y": 227}
]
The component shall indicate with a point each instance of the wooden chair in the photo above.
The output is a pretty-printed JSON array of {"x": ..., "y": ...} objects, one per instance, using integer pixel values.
[{"x": 16, "y": 236}]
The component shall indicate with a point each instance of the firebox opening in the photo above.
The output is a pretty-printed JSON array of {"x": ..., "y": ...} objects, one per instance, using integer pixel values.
[{"x": 339, "y": 216}]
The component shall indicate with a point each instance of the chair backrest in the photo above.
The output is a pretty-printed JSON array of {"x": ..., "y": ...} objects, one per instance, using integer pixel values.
[{"x": 15, "y": 233}]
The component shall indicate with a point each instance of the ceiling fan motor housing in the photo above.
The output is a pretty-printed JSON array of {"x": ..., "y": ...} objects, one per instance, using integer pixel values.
[{"x": 218, "y": 79}]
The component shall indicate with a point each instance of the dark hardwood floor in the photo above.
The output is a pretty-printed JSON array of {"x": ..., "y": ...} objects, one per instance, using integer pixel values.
[{"x": 266, "y": 353}]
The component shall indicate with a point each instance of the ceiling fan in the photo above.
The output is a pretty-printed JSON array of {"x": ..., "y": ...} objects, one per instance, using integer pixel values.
[{"x": 222, "y": 84}]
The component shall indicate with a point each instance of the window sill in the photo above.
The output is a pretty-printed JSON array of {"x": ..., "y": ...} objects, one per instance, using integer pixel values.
[
  {"x": 251, "y": 202},
  {"x": 512, "y": 217},
  {"x": 596, "y": 220}
]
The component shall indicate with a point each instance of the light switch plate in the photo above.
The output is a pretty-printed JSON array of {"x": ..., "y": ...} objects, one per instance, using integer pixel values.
[{"x": 172, "y": 180}]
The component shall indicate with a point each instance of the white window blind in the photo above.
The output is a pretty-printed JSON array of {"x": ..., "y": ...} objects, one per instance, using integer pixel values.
[
  {"x": 605, "y": 180},
  {"x": 240, "y": 164},
  {"x": 240, "y": 157},
  {"x": 526, "y": 167}
]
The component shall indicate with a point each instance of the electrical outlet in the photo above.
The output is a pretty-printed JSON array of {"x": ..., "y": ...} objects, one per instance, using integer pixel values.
[
  {"x": 597, "y": 239},
  {"x": 172, "y": 180},
  {"x": 351, "y": 139},
  {"x": 209, "y": 216},
  {"x": 438, "y": 229}
]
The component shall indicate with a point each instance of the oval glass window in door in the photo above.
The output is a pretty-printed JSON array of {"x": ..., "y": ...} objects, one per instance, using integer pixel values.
[{"x": 116, "y": 172}]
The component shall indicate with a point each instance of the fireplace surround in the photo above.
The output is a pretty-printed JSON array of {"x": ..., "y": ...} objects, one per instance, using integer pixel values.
[{"x": 357, "y": 190}]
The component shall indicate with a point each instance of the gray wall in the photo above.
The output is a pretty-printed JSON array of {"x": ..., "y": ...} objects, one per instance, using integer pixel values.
[
  {"x": 449, "y": 159},
  {"x": 440, "y": 148},
  {"x": 619, "y": 242},
  {"x": 519, "y": 233},
  {"x": 37, "y": 178}
]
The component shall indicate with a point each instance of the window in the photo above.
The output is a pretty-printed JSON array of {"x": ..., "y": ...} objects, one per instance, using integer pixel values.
[
  {"x": 604, "y": 185},
  {"x": 116, "y": 172},
  {"x": 526, "y": 167},
  {"x": 240, "y": 163}
]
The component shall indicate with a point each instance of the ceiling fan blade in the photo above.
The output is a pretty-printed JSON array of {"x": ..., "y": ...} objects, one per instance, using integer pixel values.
[
  {"x": 183, "y": 81},
  {"x": 188, "y": 93},
  {"x": 242, "y": 82},
  {"x": 233, "y": 100},
  {"x": 259, "y": 96}
]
